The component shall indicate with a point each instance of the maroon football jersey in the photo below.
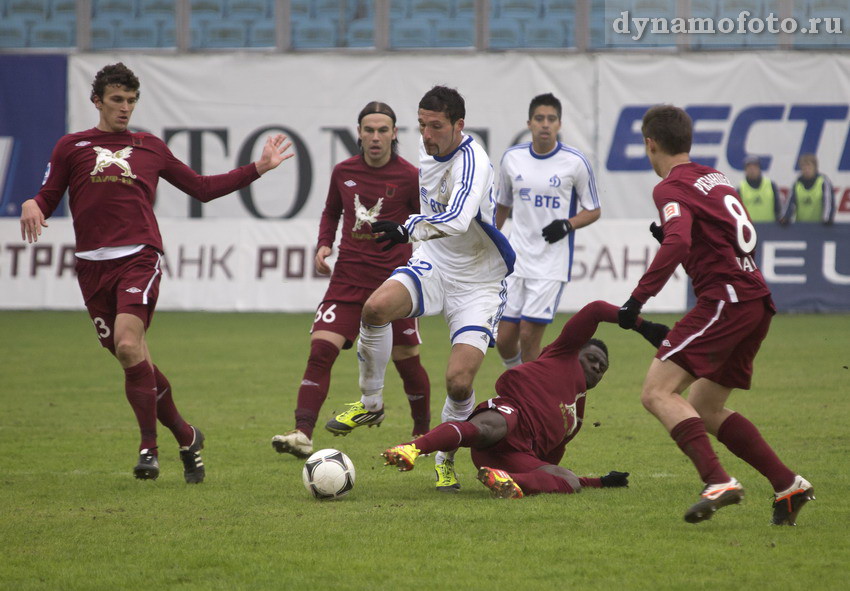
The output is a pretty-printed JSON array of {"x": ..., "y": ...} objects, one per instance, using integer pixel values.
[
  {"x": 708, "y": 231},
  {"x": 111, "y": 180},
  {"x": 361, "y": 195},
  {"x": 551, "y": 391}
]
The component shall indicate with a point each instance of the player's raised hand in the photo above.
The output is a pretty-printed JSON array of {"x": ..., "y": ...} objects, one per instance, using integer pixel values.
[
  {"x": 32, "y": 221},
  {"x": 615, "y": 479},
  {"x": 274, "y": 152},
  {"x": 322, "y": 266},
  {"x": 657, "y": 232},
  {"x": 628, "y": 313},
  {"x": 557, "y": 230},
  {"x": 393, "y": 232}
]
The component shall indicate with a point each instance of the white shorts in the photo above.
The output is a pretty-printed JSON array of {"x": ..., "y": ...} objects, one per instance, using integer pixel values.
[
  {"x": 472, "y": 310},
  {"x": 532, "y": 300}
]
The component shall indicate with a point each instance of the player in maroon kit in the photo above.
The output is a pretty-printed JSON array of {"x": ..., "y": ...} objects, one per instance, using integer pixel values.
[
  {"x": 111, "y": 175},
  {"x": 711, "y": 350},
  {"x": 518, "y": 438},
  {"x": 375, "y": 184}
]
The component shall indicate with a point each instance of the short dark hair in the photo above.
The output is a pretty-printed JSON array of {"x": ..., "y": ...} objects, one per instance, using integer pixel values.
[
  {"x": 442, "y": 99},
  {"x": 597, "y": 343},
  {"x": 670, "y": 127},
  {"x": 548, "y": 100},
  {"x": 114, "y": 75},
  {"x": 810, "y": 158},
  {"x": 379, "y": 108}
]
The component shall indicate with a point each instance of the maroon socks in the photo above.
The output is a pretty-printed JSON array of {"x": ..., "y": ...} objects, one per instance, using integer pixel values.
[
  {"x": 314, "y": 385},
  {"x": 692, "y": 439},
  {"x": 140, "y": 387},
  {"x": 417, "y": 386}
]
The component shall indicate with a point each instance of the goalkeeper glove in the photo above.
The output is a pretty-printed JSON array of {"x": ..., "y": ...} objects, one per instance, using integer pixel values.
[
  {"x": 557, "y": 230},
  {"x": 393, "y": 232},
  {"x": 627, "y": 316},
  {"x": 615, "y": 479},
  {"x": 657, "y": 232},
  {"x": 653, "y": 332}
]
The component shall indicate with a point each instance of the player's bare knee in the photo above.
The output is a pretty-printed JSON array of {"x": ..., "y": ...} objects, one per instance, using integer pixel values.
[
  {"x": 492, "y": 428},
  {"x": 651, "y": 399},
  {"x": 128, "y": 351},
  {"x": 374, "y": 313},
  {"x": 459, "y": 385}
]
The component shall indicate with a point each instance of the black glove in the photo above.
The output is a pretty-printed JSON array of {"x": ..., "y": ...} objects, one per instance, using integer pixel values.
[
  {"x": 615, "y": 479},
  {"x": 653, "y": 332},
  {"x": 392, "y": 231},
  {"x": 557, "y": 230},
  {"x": 657, "y": 232},
  {"x": 627, "y": 316}
]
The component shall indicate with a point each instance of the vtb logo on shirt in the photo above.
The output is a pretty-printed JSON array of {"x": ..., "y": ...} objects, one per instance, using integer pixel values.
[
  {"x": 363, "y": 215},
  {"x": 106, "y": 158}
]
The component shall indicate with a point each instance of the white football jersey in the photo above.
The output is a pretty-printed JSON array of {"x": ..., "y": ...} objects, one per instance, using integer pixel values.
[
  {"x": 456, "y": 223},
  {"x": 540, "y": 189}
]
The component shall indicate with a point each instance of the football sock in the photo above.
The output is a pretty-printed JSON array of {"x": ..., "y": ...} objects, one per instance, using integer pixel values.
[
  {"x": 314, "y": 385},
  {"x": 538, "y": 481},
  {"x": 457, "y": 410},
  {"x": 513, "y": 361},
  {"x": 373, "y": 354},
  {"x": 692, "y": 439},
  {"x": 454, "y": 411},
  {"x": 167, "y": 412},
  {"x": 140, "y": 388},
  {"x": 417, "y": 386},
  {"x": 447, "y": 437},
  {"x": 743, "y": 439}
]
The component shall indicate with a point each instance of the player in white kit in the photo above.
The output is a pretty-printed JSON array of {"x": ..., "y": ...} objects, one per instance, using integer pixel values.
[
  {"x": 459, "y": 269},
  {"x": 551, "y": 189}
]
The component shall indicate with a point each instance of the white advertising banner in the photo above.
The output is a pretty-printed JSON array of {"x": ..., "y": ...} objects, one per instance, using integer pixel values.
[
  {"x": 260, "y": 265},
  {"x": 214, "y": 112},
  {"x": 776, "y": 105},
  {"x": 773, "y": 104}
]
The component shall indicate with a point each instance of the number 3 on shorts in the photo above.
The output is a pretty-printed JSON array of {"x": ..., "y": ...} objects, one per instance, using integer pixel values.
[
  {"x": 101, "y": 327},
  {"x": 328, "y": 316}
]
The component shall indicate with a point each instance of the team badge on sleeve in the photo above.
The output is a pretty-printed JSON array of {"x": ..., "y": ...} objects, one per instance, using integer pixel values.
[{"x": 671, "y": 210}]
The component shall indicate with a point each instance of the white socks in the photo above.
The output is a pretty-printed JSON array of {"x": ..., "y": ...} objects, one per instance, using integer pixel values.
[
  {"x": 513, "y": 361},
  {"x": 373, "y": 354}
]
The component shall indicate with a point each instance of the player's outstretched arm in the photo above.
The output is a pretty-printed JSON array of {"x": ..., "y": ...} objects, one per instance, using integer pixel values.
[
  {"x": 274, "y": 152},
  {"x": 32, "y": 220},
  {"x": 322, "y": 266},
  {"x": 653, "y": 332}
]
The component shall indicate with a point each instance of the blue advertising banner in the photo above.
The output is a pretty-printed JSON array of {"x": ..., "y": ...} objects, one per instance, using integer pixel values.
[
  {"x": 807, "y": 266},
  {"x": 33, "y": 97}
]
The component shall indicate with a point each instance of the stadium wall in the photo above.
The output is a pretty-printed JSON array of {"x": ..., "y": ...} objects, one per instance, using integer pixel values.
[
  {"x": 213, "y": 110},
  {"x": 262, "y": 265},
  {"x": 253, "y": 250}
]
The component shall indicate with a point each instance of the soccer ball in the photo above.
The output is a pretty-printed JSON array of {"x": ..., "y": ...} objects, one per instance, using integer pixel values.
[{"x": 328, "y": 474}]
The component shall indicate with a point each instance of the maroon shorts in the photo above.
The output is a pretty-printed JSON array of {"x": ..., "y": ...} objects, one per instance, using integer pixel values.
[
  {"x": 514, "y": 453},
  {"x": 129, "y": 285},
  {"x": 343, "y": 318},
  {"x": 719, "y": 340}
]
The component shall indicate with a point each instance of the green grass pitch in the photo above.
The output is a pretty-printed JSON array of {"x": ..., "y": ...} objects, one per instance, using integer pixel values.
[{"x": 73, "y": 517}]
